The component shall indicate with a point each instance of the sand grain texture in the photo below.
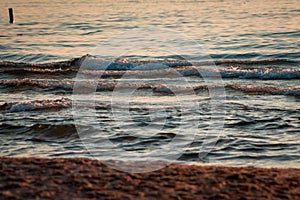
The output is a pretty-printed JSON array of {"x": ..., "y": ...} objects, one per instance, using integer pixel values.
[{"x": 79, "y": 178}]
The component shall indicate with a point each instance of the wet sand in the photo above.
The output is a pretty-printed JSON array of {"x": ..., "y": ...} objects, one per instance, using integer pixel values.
[{"x": 79, "y": 178}]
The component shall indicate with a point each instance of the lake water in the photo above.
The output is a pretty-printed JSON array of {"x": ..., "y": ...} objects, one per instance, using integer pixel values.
[{"x": 204, "y": 76}]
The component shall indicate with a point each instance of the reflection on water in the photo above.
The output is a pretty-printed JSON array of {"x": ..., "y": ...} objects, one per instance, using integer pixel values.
[{"x": 54, "y": 30}]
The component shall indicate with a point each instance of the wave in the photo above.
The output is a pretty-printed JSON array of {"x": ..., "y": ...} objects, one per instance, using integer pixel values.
[
  {"x": 258, "y": 62},
  {"x": 163, "y": 89},
  {"x": 41, "y": 132},
  {"x": 241, "y": 69},
  {"x": 36, "y": 105},
  {"x": 268, "y": 73},
  {"x": 253, "y": 89},
  {"x": 17, "y": 85},
  {"x": 50, "y": 65},
  {"x": 231, "y": 72},
  {"x": 261, "y": 73},
  {"x": 124, "y": 63},
  {"x": 29, "y": 84}
]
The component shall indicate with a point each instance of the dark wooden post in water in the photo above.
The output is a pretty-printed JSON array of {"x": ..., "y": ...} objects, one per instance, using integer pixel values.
[{"x": 11, "y": 15}]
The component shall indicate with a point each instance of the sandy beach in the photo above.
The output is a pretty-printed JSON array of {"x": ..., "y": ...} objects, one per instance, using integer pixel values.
[{"x": 81, "y": 178}]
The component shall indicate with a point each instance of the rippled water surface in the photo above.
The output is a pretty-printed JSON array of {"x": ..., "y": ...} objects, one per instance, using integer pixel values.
[
  {"x": 254, "y": 50},
  {"x": 54, "y": 30}
]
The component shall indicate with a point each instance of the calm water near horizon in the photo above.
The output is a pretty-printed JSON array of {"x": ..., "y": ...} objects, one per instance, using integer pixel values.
[
  {"x": 57, "y": 30},
  {"x": 254, "y": 46}
]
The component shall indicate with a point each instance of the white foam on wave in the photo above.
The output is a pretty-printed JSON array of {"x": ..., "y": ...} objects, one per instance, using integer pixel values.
[
  {"x": 253, "y": 89},
  {"x": 94, "y": 63},
  {"x": 38, "y": 105},
  {"x": 261, "y": 73},
  {"x": 150, "y": 70},
  {"x": 101, "y": 86},
  {"x": 156, "y": 88},
  {"x": 118, "y": 67},
  {"x": 45, "y": 84}
]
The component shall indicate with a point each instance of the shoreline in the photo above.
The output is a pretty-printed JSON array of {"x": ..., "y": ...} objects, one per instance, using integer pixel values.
[{"x": 82, "y": 178}]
